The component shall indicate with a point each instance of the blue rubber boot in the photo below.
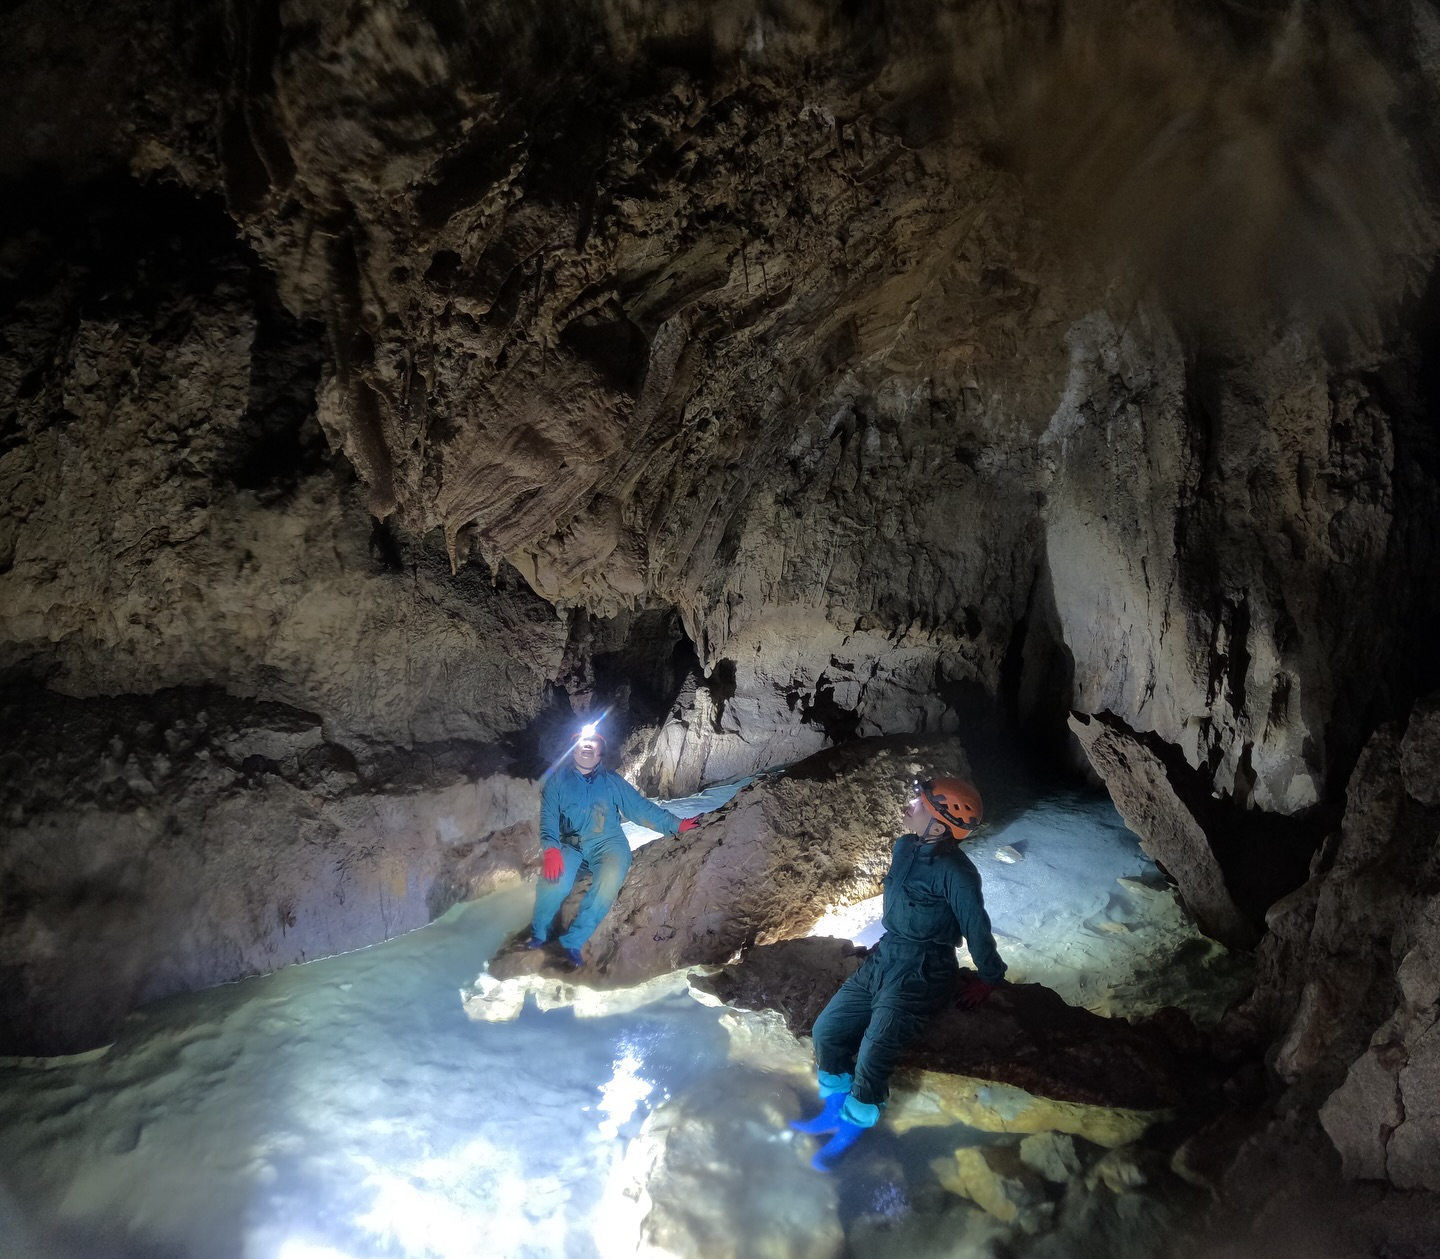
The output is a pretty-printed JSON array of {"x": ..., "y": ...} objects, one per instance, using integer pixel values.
[
  {"x": 826, "y": 1121},
  {"x": 535, "y": 942},
  {"x": 576, "y": 956},
  {"x": 846, "y": 1134}
]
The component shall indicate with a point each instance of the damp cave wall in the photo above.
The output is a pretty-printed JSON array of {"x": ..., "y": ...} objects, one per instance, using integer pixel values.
[{"x": 350, "y": 373}]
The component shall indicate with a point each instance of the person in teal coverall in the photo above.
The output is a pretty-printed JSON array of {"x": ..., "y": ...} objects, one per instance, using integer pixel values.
[
  {"x": 932, "y": 901},
  {"x": 580, "y": 809}
]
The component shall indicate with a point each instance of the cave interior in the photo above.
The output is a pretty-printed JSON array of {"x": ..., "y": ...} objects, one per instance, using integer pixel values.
[{"x": 818, "y": 395}]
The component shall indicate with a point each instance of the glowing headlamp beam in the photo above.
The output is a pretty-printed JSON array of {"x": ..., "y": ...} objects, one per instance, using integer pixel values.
[{"x": 588, "y": 730}]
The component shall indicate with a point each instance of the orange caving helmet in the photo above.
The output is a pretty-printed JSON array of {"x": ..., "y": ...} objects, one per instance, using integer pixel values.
[{"x": 952, "y": 802}]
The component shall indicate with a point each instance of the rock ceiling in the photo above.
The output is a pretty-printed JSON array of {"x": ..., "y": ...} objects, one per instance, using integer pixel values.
[{"x": 902, "y": 349}]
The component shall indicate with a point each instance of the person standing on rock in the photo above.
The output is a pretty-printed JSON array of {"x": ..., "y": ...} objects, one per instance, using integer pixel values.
[
  {"x": 580, "y": 809},
  {"x": 932, "y": 902}
]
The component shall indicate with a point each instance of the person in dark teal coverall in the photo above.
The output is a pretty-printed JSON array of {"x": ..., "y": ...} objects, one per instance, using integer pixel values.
[
  {"x": 932, "y": 902},
  {"x": 580, "y": 809}
]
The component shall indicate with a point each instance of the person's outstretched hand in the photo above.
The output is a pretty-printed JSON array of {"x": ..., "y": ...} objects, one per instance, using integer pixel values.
[
  {"x": 975, "y": 992},
  {"x": 554, "y": 865},
  {"x": 687, "y": 824}
]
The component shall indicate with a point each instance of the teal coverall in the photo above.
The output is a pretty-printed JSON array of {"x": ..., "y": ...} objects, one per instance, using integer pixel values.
[
  {"x": 580, "y": 815},
  {"x": 932, "y": 902}
]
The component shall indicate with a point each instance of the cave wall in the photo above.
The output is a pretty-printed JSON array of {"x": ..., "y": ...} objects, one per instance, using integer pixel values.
[
  {"x": 162, "y": 843},
  {"x": 172, "y": 515},
  {"x": 796, "y": 360}
]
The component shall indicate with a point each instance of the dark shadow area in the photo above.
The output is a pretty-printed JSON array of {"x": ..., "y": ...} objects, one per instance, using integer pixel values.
[
  {"x": 1037, "y": 677},
  {"x": 152, "y": 255},
  {"x": 1263, "y": 856},
  {"x": 280, "y": 442}
]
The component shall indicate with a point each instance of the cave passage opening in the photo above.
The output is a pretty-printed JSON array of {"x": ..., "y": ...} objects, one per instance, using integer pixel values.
[{"x": 348, "y": 1109}]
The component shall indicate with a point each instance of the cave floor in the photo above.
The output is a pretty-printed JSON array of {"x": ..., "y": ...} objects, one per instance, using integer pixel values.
[{"x": 348, "y": 1109}]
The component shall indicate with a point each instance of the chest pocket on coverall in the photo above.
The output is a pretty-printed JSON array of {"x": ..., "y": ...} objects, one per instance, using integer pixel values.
[
  {"x": 926, "y": 913},
  {"x": 927, "y": 916}
]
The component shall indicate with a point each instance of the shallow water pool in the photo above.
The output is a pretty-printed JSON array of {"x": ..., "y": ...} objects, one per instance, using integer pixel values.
[{"x": 348, "y": 1109}]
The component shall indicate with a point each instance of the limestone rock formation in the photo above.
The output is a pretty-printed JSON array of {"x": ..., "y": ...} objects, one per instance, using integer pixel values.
[
  {"x": 172, "y": 516},
  {"x": 1348, "y": 995},
  {"x": 764, "y": 315},
  {"x": 1136, "y": 779},
  {"x": 1023, "y": 1036},
  {"x": 157, "y": 846},
  {"x": 769, "y": 864}
]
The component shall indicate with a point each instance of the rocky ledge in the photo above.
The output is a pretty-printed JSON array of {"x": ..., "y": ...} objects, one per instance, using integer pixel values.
[{"x": 1024, "y": 1035}]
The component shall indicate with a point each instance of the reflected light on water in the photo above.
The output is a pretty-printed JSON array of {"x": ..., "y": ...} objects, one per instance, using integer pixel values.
[
  {"x": 622, "y": 1093},
  {"x": 475, "y": 1201}
]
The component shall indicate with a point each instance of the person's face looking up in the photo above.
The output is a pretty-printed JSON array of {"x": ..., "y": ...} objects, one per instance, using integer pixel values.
[{"x": 589, "y": 748}]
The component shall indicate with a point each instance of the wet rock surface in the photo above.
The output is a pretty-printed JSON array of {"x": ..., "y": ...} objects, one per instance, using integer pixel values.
[
  {"x": 1024, "y": 1035},
  {"x": 769, "y": 863},
  {"x": 160, "y": 844}
]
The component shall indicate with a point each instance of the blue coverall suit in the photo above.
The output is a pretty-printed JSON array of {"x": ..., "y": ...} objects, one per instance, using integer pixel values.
[
  {"x": 580, "y": 815},
  {"x": 932, "y": 902}
]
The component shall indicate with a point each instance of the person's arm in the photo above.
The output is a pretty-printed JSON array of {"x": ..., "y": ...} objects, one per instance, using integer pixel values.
[
  {"x": 550, "y": 812},
  {"x": 638, "y": 809},
  {"x": 968, "y": 906}
]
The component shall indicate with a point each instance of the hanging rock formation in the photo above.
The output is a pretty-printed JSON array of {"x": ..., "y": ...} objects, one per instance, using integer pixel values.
[{"x": 1136, "y": 779}]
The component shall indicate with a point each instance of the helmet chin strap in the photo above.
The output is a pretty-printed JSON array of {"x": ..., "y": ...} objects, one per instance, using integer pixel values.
[{"x": 934, "y": 831}]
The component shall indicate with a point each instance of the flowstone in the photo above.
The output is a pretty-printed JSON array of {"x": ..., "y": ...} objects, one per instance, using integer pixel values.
[
  {"x": 996, "y": 1179},
  {"x": 500, "y": 990},
  {"x": 716, "y": 1173}
]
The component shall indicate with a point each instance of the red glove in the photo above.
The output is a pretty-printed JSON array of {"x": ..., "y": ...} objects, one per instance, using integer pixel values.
[
  {"x": 554, "y": 865},
  {"x": 687, "y": 824},
  {"x": 974, "y": 992}
]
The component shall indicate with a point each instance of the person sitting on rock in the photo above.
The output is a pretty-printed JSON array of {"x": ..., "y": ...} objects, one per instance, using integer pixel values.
[
  {"x": 932, "y": 902},
  {"x": 580, "y": 809}
]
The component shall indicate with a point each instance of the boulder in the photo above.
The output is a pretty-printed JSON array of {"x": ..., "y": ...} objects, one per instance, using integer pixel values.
[
  {"x": 1024, "y": 1036},
  {"x": 1140, "y": 784},
  {"x": 770, "y": 863},
  {"x": 1052, "y": 1154},
  {"x": 995, "y": 1178},
  {"x": 1385, "y": 1117}
]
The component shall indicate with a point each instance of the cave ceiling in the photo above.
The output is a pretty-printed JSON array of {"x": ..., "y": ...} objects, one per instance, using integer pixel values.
[{"x": 957, "y": 337}]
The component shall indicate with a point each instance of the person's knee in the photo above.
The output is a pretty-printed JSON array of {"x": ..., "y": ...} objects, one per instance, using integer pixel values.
[
  {"x": 611, "y": 873},
  {"x": 897, "y": 1021}
]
